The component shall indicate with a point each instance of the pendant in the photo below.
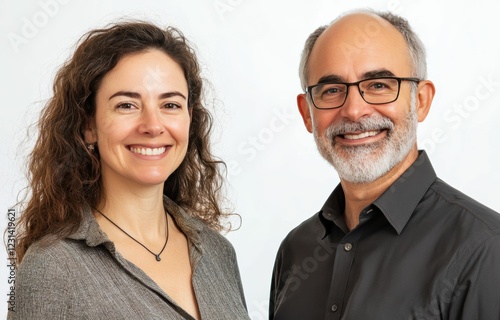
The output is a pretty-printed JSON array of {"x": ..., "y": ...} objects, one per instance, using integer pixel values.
[{"x": 158, "y": 257}]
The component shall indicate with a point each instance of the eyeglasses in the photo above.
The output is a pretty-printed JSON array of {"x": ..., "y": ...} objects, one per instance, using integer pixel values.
[{"x": 333, "y": 95}]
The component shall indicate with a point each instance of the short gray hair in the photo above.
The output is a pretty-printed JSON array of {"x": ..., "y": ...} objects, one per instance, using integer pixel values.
[{"x": 415, "y": 46}]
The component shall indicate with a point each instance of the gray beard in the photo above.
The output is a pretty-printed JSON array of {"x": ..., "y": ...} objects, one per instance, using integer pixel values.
[{"x": 367, "y": 163}]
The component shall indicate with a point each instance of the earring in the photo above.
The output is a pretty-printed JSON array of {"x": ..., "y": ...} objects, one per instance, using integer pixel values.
[{"x": 90, "y": 146}]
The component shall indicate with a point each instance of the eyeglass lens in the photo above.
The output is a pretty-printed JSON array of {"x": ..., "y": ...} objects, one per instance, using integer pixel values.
[{"x": 376, "y": 91}]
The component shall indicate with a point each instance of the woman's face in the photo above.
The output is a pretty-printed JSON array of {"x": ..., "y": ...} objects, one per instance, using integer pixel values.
[{"x": 142, "y": 120}]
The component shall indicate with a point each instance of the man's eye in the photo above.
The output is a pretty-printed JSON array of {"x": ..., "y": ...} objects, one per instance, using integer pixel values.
[
  {"x": 379, "y": 85},
  {"x": 332, "y": 90}
]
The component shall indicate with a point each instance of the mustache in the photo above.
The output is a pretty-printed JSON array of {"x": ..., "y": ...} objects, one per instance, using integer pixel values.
[{"x": 372, "y": 123}]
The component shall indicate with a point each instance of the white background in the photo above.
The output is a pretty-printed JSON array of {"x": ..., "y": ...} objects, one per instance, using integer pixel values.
[{"x": 250, "y": 51}]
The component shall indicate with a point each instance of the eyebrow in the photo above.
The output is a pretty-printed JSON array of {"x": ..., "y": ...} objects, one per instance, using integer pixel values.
[
  {"x": 330, "y": 78},
  {"x": 377, "y": 73},
  {"x": 137, "y": 95},
  {"x": 333, "y": 78}
]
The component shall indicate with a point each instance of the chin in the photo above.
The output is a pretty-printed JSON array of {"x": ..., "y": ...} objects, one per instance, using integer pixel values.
[{"x": 152, "y": 180}]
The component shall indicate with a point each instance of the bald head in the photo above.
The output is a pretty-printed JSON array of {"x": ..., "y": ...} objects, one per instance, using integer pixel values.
[{"x": 358, "y": 31}]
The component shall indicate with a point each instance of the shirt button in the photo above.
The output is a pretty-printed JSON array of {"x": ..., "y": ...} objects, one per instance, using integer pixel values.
[
  {"x": 334, "y": 308},
  {"x": 347, "y": 247}
]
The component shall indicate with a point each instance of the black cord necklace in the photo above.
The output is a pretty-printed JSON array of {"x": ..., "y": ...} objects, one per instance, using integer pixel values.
[{"x": 156, "y": 255}]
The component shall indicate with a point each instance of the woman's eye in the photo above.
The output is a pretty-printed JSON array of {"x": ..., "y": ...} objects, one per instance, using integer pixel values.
[
  {"x": 171, "y": 105},
  {"x": 125, "y": 106}
]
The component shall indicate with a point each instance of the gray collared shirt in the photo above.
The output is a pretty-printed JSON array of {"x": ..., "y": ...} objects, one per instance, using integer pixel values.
[
  {"x": 422, "y": 250},
  {"x": 84, "y": 277}
]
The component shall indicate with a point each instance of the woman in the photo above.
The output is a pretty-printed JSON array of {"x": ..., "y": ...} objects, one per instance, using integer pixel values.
[{"x": 123, "y": 216}]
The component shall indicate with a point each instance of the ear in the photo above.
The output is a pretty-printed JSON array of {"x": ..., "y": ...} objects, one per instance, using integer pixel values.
[
  {"x": 90, "y": 134},
  {"x": 425, "y": 94},
  {"x": 305, "y": 112}
]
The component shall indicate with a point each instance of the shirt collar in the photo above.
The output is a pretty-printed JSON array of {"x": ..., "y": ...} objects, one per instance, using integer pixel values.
[
  {"x": 333, "y": 211},
  {"x": 89, "y": 230},
  {"x": 190, "y": 225},
  {"x": 397, "y": 203}
]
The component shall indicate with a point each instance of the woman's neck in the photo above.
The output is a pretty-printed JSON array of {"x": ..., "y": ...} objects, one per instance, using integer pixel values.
[{"x": 138, "y": 210}]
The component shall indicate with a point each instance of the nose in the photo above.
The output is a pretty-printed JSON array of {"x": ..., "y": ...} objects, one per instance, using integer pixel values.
[
  {"x": 355, "y": 107},
  {"x": 150, "y": 122}
]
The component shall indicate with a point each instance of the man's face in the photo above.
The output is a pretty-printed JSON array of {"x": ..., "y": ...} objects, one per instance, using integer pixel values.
[{"x": 362, "y": 141}]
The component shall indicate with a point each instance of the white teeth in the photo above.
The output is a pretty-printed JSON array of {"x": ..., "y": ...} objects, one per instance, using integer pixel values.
[
  {"x": 361, "y": 135},
  {"x": 148, "y": 151}
]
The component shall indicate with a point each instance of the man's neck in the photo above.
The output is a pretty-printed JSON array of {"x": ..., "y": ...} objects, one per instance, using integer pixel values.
[{"x": 359, "y": 195}]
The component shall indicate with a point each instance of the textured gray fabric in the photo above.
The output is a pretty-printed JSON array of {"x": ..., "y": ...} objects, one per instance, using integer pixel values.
[{"x": 83, "y": 277}]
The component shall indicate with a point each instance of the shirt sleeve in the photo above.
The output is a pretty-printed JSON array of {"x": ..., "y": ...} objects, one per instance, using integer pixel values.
[
  {"x": 41, "y": 288},
  {"x": 237, "y": 275},
  {"x": 477, "y": 291},
  {"x": 275, "y": 280}
]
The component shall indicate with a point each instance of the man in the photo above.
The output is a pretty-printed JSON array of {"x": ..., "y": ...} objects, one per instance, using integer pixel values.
[{"x": 392, "y": 241}]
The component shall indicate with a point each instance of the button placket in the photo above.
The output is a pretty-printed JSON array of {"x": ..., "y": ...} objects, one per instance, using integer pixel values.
[{"x": 344, "y": 258}]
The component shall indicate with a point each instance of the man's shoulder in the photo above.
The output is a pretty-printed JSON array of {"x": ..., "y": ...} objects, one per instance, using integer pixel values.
[
  {"x": 466, "y": 205},
  {"x": 308, "y": 230}
]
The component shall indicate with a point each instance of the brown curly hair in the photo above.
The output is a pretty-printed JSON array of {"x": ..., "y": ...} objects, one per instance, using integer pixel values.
[{"x": 64, "y": 176}]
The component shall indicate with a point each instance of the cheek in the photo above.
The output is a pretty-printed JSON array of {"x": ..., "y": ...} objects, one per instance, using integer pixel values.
[
  {"x": 397, "y": 114},
  {"x": 323, "y": 119},
  {"x": 179, "y": 129},
  {"x": 395, "y": 111},
  {"x": 109, "y": 130}
]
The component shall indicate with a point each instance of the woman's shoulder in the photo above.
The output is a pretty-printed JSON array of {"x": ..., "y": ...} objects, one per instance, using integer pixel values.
[
  {"x": 42, "y": 266},
  {"x": 217, "y": 239},
  {"x": 208, "y": 234},
  {"x": 196, "y": 229},
  {"x": 44, "y": 279},
  {"x": 50, "y": 258}
]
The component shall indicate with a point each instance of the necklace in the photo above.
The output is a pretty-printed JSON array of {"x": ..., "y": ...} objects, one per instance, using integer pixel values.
[{"x": 156, "y": 255}]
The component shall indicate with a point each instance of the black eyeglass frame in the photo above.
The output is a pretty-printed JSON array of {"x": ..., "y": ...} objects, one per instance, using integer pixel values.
[{"x": 348, "y": 84}]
